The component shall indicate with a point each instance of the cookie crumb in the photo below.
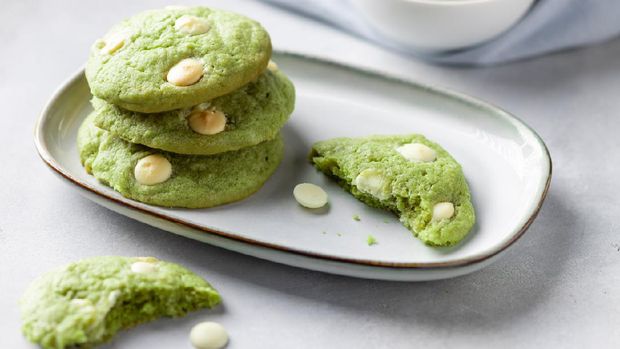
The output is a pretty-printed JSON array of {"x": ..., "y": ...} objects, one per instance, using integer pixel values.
[
  {"x": 371, "y": 240},
  {"x": 357, "y": 217}
]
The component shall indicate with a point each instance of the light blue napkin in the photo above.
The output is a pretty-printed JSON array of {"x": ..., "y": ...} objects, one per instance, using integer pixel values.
[{"x": 549, "y": 25}]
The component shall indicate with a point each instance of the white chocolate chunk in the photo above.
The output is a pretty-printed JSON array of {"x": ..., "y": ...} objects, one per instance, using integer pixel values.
[
  {"x": 207, "y": 122},
  {"x": 113, "y": 296},
  {"x": 310, "y": 195},
  {"x": 113, "y": 42},
  {"x": 417, "y": 152},
  {"x": 80, "y": 302},
  {"x": 84, "y": 305},
  {"x": 208, "y": 335},
  {"x": 202, "y": 106},
  {"x": 191, "y": 25},
  {"x": 371, "y": 181},
  {"x": 143, "y": 267},
  {"x": 148, "y": 259},
  {"x": 152, "y": 169},
  {"x": 443, "y": 210},
  {"x": 187, "y": 72},
  {"x": 272, "y": 66}
]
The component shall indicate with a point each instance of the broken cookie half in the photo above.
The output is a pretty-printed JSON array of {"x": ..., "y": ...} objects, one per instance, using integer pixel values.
[
  {"x": 85, "y": 303},
  {"x": 406, "y": 174}
]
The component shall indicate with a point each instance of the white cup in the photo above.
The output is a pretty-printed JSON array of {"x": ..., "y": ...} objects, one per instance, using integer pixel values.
[{"x": 441, "y": 25}]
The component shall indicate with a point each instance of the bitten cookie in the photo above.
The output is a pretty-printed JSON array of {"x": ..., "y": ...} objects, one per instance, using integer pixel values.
[
  {"x": 408, "y": 175},
  {"x": 87, "y": 302},
  {"x": 175, "y": 58}
]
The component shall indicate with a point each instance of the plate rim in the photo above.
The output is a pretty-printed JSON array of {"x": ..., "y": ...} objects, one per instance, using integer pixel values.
[{"x": 55, "y": 166}]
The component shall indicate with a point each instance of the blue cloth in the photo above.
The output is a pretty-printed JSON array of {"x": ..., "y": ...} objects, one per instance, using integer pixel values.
[{"x": 549, "y": 25}]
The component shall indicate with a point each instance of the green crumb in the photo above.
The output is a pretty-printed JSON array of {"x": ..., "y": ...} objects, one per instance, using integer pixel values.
[
  {"x": 371, "y": 240},
  {"x": 323, "y": 232},
  {"x": 386, "y": 221},
  {"x": 357, "y": 218},
  {"x": 338, "y": 234}
]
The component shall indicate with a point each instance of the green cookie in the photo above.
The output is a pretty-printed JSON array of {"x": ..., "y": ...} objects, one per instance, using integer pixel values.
[
  {"x": 376, "y": 172},
  {"x": 129, "y": 65},
  {"x": 255, "y": 113},
  {"x": 196, "y": 180},
  {"x": 86, "y": 303}
]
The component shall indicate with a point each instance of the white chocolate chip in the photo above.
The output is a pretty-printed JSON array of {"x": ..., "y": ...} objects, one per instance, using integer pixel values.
[
  {"x": 417, "y": 152},
  {"x": 80, "y": 302},
  {"x": 113, "y": 42},
  {"x": 143, "y": 267},
  {"x": 148, "y": 259},
  {"x": 207, "y": 122},
  {"x": 186, "y": 72},
  {"x": 113, "y": 296},
  {"x": 208, "y": 335},
  {"x": 272, "y": 66},
  {"x": 84, "y": 305},
  {"x": 310, "y": 195},
  {"x": 191, "y": 25},
  {"x": 202, "y": 106},
  {"x": 371, "y": 181},
  {"x": 152, "y": 169},
  {"x": 443, "y": 210}
]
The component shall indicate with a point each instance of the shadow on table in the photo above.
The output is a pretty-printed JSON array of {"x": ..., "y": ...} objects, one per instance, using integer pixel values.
[
  {"x": 510, "y": 288},
  {"x": 507, "y": 289}
]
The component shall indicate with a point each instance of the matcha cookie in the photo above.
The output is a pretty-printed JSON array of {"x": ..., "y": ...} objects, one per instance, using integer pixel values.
[
  {"x": 174, "y": 180},
  {"x": 250, "y": 115},
  {"x": 408, "y": 175},
  {"x": 175, "y": 58},
  {"x": 86, "y": 303}
]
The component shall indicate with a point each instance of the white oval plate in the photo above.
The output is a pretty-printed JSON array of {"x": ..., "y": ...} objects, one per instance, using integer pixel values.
[{"x": 505, "y": 162}]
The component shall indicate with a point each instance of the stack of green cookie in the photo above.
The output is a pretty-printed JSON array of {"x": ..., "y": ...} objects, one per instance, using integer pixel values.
[{"x": 188, "y": 108}]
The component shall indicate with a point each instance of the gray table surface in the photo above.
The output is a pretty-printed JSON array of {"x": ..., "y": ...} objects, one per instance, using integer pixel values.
[{"x": 558, "y": 286}]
